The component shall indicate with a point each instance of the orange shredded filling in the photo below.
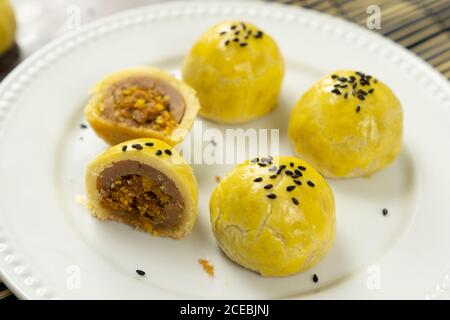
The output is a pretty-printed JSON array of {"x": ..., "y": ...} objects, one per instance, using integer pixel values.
[
  {"x": 145, "y": 107},
  {"x": 207, "y": 266},
  {"x": 138, "y": 195}
]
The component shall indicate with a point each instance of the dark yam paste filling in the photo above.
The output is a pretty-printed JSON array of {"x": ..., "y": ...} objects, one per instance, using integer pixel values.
[
  {"x": 144, "y": 102},
  {"x": 140, "y": 195}
]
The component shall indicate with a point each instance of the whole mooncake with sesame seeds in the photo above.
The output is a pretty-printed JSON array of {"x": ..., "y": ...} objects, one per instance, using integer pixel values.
[
  {"x": 237, "y": 71},
  {"x": 349, "y": 124},
  {"x": 144, "y": 183},
  {"x": 275, "y": 216},
  {"x": 7, "y": 26},
  {"x": 143, "y": 102}
]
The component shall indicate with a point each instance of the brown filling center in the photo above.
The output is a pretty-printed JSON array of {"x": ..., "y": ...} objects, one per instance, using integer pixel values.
[
  {"x": 140, "y": 195},
  {"x": 144, "y": 102}
]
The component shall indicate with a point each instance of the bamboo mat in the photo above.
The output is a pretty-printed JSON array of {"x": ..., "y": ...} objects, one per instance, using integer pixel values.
[{"x": 422, "y": 26}]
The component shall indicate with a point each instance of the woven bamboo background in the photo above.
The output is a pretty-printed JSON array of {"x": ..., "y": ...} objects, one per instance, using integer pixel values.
[{"x": 422, "y": 26}]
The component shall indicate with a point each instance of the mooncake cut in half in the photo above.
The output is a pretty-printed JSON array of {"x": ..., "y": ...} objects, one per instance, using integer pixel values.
[
  {"x": 144, "y": 183},
  {"x": 275, "y": 216},
  {"x": 142, "y": 103}
]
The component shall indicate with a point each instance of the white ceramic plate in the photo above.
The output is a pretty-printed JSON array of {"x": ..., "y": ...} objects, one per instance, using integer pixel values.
[{"x": 50, "y": 247}]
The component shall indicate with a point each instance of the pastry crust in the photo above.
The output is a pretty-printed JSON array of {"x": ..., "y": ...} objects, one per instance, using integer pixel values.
[
  {"x": 114, "y": 132},
  {"x": 237, "y": 77},
  {"x": 260, "y": 226},
  {"x": 348, "y": 124},
  {"x": 7, "y": 26},
  {"x": 172, "y": 166}
]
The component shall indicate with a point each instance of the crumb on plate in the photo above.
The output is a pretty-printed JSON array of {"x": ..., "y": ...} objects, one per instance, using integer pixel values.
[{"x": 207, "y": 266}]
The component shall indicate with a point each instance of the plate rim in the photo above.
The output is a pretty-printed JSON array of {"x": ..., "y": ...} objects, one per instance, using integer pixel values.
[{"x": 22, "y": 76}]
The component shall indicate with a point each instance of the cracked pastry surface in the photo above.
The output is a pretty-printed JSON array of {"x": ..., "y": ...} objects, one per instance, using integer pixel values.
[
  {"x": 237, "y": 70},
  {"x": 144, "y": 183},
  {"x": 274, "y": 216},
  {"x": 142, "y": 103},
  {"x": 349, "y": 124}
]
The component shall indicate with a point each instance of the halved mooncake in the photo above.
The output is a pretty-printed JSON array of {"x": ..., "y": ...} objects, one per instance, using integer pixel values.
[
  {"x": 275, "y": 216},
  {"x": 142, "y": 103},
  {"x": 144, "y": 183}
]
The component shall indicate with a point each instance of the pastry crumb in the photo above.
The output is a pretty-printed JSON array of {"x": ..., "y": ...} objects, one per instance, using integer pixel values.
[
  {"x": 217, "y": 179},
  {"x": 81, "y": 200},
  {"x": 207, "y": 266}
]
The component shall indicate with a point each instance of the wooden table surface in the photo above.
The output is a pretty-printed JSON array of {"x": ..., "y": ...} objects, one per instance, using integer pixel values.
[{"x": 422, "y": 26}]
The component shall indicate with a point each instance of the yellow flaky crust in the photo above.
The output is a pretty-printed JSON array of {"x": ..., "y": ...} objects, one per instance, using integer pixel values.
[
  {"x": 235, "y": 81},
  {"x": 345, "y": 133},
  {"x": 113, "y": 132},
  {"x": 173, "y": 166},
  {"x": 7, "y": 26},
  {"x": 274, "y": 237}
]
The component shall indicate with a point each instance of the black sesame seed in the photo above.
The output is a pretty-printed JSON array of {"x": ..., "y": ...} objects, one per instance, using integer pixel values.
[
  {"x": 375, "y": 80},
  {"x": 354, "y": 85},
  {"x": 136, "y": 146},
  {"x": 233, "y": 27},
  {"x": 290, "y": 188},
  {"x": 295, "y": 201},
  {"x": 124, "y": 148},
  {"x": 345, "y": 95},
  {"x": 315, "y": 278},
  {"x": 222, "y": 33},
  {"x": 158, "y": 152},
  {"x": 258, "y": 34},
  {"x": 342, "y": 79},
  {"x": 351, "y": 79},
  {"x": 385, "y": 212},
  {"x": 358, "y": 109},
  {"x": 289, "y": 172},
  {"x": 244, "y": 27},
  {"x": 149, "y": 144},
  {"x": 279, "y": 171},
  {"x": 271, "y": 195},
  {"x": 301, "y": 168},
  {"x": 140, "y": 272},
  {"x": 298, "y": 172},
  {"x": 243, "y": 44},
  {"x": 168, "y": 152},
  {"x": 262, "y": 164},
  {"x": 268, "y": 186},
  {"x": 336, "y": 91},
  {"x": 361, "y": 97},
  {"x": 259, "y": 179},
  {"x": 334, "y": 76},
  {"x": 360, "y": 91},
  {"x": 291, "y": 164},
  {"x": 298, "y": 182},
  {"x": 311, "y": 184},
  {"x": 236, "y": 40},
  {"x": 274, "y": 176},
  {"x": 283, "y": 166},
  {"x": 237, "y": 33},
  {"x": 227, "y": 42},
  {"x": 371, "y": 90},
  {"x": 83, "y": 126}
]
